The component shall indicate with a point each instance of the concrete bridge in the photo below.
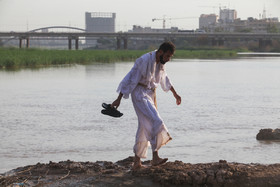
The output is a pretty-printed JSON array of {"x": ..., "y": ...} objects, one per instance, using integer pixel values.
[{"x": 123, "y": 37}]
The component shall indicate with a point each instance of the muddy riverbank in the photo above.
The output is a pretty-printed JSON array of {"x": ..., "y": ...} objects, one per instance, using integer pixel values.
[{"x": 104, "y": 173}]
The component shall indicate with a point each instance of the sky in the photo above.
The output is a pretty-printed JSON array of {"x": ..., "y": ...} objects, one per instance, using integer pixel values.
[{"x": 25, "y": 15}]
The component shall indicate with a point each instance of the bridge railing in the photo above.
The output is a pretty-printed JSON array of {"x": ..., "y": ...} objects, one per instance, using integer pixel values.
[{"x": 125, "y": 36}]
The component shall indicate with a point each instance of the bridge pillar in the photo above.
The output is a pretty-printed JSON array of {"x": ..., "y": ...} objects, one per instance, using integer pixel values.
[
  {"x": 27, "y": 42},
  {"x": 20, "y": 42},
  {"x": 125, "y": 43},
  {"x": 69, "y": 43},
  {"x": 118, "y": 43},
  {"x": 21, "y": 39},
  {"x": 218, "y": 42},
  {"x": 77, "y": 43},
  {"x": 214, "y": 42},
  {"x": 264, "y": 43},
  {"x": 221, "y": 42}
]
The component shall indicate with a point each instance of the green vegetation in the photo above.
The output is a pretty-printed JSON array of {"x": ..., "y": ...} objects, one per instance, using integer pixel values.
[
  {"x": 18, "y": 58},
  {"x": 272, "y": 28},
  {"x": 205, "y": 54},
  {"x": 11, "y": 58}
]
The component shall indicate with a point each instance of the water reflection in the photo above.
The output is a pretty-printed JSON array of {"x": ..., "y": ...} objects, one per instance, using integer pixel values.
[{"x": 267, "y": 142}]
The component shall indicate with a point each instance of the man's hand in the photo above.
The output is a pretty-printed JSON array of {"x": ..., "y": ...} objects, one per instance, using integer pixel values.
[
  {"x": 177, "y": 97},
  {"x": 117, "y": 102}
]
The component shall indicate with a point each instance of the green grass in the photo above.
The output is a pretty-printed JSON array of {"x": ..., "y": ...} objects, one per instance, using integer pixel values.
[
  {"x": 12, "y": 58},
  {"x": 205, "y": 54}
]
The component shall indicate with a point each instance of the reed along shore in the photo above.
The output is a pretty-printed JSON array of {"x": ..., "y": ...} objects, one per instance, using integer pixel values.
[{"x": 14, "y": 58}]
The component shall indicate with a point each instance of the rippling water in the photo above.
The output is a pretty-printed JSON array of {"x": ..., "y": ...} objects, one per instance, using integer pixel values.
[{"x": 53, "y": 114}]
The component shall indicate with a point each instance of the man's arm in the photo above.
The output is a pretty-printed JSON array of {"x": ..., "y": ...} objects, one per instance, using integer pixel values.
[
  {"x": 117, "y": 102},
  {"x": 177, "y": 97}
]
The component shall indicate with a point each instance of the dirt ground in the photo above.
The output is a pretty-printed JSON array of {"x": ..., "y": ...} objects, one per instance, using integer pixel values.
[{"x": 104, "y": 173}]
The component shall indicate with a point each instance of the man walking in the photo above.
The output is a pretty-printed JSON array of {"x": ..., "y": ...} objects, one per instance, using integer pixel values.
[{"x": 141, "y": 82}]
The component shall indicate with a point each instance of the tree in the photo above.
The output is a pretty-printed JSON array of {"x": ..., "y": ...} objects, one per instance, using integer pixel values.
[{"x": 272, "y": 28}]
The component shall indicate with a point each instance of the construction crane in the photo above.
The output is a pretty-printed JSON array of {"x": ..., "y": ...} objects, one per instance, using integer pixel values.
[{"x": 164, "y": 19}]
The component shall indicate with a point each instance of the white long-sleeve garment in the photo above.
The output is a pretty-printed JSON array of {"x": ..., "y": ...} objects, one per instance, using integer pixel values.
[{"x": 140, "y": 82}]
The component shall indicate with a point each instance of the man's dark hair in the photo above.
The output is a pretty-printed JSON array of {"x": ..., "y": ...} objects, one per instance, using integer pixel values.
[{"x": 167, "y": 46}]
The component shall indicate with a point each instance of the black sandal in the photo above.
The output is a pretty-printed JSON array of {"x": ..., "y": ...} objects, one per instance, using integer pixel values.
[{"x": 108, "y": 110}]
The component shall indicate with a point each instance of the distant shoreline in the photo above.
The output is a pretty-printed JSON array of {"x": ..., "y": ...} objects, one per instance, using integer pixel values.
[
  {"x": 258, "y": 54},
  {"x": 13, "y": 58}
]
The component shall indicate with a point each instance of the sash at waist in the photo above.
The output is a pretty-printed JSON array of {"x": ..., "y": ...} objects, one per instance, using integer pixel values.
[{"x": 145, "y": 86}]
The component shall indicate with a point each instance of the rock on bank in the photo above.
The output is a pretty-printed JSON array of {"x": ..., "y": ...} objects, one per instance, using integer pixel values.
[
  {"x": 103, "y": 173},
  {"x": 268, "y": 134}
]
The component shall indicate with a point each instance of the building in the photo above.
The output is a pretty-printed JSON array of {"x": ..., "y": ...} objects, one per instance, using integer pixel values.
[
  {"x": 228, "y": 22},
  {"x": 99, "y": 22},
  {"x": 211, "y": 23},
  {"x": 146, "y": 43},
  {"x": 227, "y": 15},
  {"x": 266, "y": 25},
  {"x": 140, "y": 29},
  {"x": 205, "y": 20}
]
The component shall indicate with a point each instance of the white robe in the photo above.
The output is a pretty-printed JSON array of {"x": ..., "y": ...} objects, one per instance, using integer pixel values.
[{"x": 140, "y": 82}]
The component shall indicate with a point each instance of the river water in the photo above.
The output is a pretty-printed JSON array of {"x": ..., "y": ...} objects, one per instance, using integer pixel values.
[{"x": 53, "y": 114}]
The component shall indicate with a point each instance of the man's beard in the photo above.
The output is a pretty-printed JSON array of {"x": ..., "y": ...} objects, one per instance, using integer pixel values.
[{"x": 161, "y": 59}]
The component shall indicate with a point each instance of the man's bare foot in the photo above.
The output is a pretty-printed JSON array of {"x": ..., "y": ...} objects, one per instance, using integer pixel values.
[
  {"x": 137, "y": 163},
  {"x": 159, "y": 161},
  {"x": 137, "y": 166}
]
